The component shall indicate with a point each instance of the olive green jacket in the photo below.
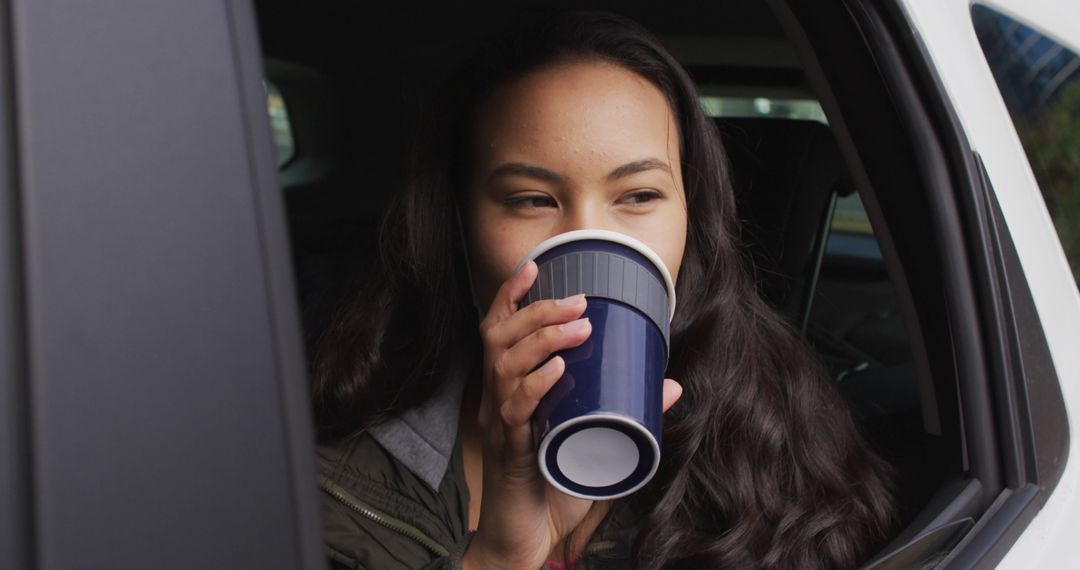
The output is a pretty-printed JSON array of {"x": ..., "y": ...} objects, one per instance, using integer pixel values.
[
  {"x": 395, "y": 497},
  {"x": 377, "y": 514}
]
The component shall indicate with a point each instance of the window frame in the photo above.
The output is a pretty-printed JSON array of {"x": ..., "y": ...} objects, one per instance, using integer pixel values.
[
  {"x": 158, "y": 414},
  {"x": 16, "y": 512}
]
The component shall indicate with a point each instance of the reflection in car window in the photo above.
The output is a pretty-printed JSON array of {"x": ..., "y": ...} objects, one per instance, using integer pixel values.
[
  {"x": 279, "y": 124},
  {"x": 1039, "y": 80}
]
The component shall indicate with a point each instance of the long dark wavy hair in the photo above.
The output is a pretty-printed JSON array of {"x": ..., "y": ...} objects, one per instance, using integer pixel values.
[{"x": 763, "y": 465}]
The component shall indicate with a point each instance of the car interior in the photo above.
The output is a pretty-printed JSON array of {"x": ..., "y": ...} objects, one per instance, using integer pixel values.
[{"x": 344, "y": 84}]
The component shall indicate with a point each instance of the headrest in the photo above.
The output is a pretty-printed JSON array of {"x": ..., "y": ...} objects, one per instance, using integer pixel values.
[{"x": 785, "y": 172}]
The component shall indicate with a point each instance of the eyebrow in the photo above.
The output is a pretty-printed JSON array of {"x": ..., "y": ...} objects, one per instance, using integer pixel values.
[
  {"x": 639, "y": 166},
  {"x": 541, "y": 173},
  {"x": 527, "y": 170}
]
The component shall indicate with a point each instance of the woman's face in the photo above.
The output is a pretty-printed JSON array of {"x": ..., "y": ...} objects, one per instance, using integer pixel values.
[{"x": 578, "y": 145}]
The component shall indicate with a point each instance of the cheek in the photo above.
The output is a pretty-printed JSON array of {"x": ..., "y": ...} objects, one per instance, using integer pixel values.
[
  {"x": 494, "y": 251},
  {"x": 669, "y": 241},
  {"x": 671, "y": 251}
]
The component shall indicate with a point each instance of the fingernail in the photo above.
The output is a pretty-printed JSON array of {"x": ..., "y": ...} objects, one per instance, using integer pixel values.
[
  {"x": 571, "y": 301},
  {"x": 525, "y": 268},
  {"x": 550, "y": 367},
  {"x": 577, "y": 326}
]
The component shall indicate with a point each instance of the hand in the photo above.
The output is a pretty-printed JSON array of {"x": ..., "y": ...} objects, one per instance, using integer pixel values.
[{"x": 522, "y": 517}]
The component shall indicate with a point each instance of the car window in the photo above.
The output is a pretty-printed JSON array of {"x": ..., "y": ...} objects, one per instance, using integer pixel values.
[
  {"x": 776, "y": 107},
  {"x": 850, "y": 233},
  {"x": 844, "y": 300},
  {"x": 1039, "y": 80},
  {"x": 848, "y": 305}
]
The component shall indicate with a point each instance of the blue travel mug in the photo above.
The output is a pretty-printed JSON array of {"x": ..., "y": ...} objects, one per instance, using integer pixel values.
[{"x": 599, "y": 426}]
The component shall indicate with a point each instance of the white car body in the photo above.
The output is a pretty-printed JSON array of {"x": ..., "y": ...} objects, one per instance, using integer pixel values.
[{"x": 946, "y": 30}]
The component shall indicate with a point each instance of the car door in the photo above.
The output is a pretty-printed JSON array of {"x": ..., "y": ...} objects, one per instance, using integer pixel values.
[
  {"x": 988, "y": 293},
  {"x": 153, "y": 407},
  {"x": 1051, "y": 36}
]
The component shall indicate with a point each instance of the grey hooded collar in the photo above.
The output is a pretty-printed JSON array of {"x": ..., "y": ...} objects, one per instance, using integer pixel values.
[{"x": 423, "y": 438}]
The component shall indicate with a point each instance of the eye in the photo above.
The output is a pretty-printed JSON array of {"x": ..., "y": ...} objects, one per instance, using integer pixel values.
[
  {"x": 639, "y": 197},
  {"x": 530, "y": 201}
]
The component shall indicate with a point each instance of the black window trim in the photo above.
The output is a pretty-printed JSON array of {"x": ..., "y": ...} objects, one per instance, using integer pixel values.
[{"x": 942, "y": 154}]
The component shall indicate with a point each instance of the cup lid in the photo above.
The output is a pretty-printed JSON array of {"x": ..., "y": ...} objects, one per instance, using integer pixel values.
[{"x": 606, "y": 235}]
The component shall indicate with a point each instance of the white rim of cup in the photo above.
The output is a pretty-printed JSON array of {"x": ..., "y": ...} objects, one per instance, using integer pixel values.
[
  {"x": 606, "y": 235},
  {"x": 614, "y": 418}
]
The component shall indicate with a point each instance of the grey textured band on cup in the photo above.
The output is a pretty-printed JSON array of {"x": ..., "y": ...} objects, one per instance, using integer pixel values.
[{"x": 606, "y": 275}]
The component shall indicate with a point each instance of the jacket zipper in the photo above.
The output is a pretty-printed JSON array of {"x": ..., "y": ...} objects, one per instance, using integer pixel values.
[
  {"x": 602, "y": 546},
  {"x": 398, "y": 526}
]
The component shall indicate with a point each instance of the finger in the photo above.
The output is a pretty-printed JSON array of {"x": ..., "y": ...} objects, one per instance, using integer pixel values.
[
  {"x": 519, "y": 325},
  {"x": 520, "y": 406},
  {"x": 520, "y": 359},
  {"x": 510, "y": 292},
  {"x": 517, "y": 410},
  {"x": 672, "y": 392}
]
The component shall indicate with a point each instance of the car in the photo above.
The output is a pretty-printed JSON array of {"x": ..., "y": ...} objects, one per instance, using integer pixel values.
[{"x": 188, "y": 190}]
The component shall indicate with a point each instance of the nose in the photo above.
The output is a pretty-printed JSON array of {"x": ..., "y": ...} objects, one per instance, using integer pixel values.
[{"x": 585, "y": 214}]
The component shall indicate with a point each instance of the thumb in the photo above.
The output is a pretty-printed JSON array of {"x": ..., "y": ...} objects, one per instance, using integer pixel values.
[{"x": 672, "y": 391}]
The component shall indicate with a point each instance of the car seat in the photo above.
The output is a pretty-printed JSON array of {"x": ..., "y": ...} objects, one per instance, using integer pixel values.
[{"x": 787, "y": 176}]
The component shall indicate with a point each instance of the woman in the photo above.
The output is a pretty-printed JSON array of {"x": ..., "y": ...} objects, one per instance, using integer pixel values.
[{"x": 581, "y": 122}]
